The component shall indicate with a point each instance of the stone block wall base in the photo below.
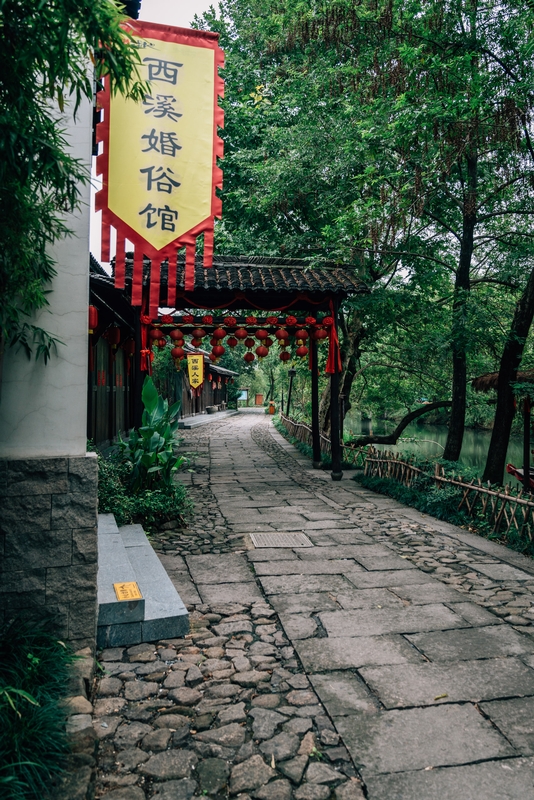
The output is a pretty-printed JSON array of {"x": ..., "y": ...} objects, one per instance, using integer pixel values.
[{"x": 48, "y": 544}]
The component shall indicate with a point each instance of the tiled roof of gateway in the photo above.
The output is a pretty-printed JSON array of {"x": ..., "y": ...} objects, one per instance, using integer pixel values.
[
  {"x": 260, "y": 274},
  {"x": 272, "y": 274}
]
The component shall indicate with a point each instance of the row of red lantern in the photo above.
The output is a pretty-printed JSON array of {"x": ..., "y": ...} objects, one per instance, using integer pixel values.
[{"x": 301, "y": 335}]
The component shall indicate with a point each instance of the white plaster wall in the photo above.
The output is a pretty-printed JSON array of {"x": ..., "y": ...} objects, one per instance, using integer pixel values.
[{"x": 43, "y": 408}]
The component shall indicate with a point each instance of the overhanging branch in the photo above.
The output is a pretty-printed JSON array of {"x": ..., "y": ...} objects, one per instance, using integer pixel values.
[{"x": 391, "y": 438}]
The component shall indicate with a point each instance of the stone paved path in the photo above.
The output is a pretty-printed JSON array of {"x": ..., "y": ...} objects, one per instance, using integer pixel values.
[{"x": 393, "y": 660}]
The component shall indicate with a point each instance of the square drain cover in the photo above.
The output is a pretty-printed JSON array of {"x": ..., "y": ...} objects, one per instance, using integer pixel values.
[{"x": 280, "y": 540}]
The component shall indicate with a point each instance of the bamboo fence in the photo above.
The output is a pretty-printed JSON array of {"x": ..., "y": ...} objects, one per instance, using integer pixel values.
[
  {"x": 303, "y": 433},
  {"x": 505, "y": 511}
]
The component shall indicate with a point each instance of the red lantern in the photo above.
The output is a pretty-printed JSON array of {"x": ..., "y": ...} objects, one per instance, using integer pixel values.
[
  {"x": 241, "y": 333},
  {"x": 310, "y": 320},
  {"x": 291, "y": 320},
  {"x": 214, "y": 341},
  {"x": 129, "y": 347},
  {"x": 249, "y": 356},
  {"x": 249, "y": 342},
  {"x": 262, "y": 351},
  {"x": 196, "y": 342},
  {"x": 213, "y": 357},
  {"x": 167, "y": 319},
  {"x": 262, "y": 334},
  {"x": 271, "y": 321},
  {"x": 285, "y": 356},
  {"x": 218, "y": 350},
  {"x": 219, "y": 333},
  {"x": 230, "y": 321},
  {"x": 251, "y": 320},
  {"x": 198, "y": 333},
  {"x": 231, "y": 342},
  {"x": 161, "y": 343},
  {"x": 268, "y": 342},
  {"x": 113, "y": 335},
  {"x": 301, "y": 334},
  {"x": 178, "y": 353},
  {"x": 207, "y": 319},
  {"x": 93, "y": 318},
  {"x": 320, "y": 334},
  {"x": 188, "y": 319},
  {"x": 327, "y": 321},
  {"x": 155, "y": 333},
  {"x": 302, "y": 351},
  {"x": 281, "y": 334},
  {"x": 176, "y": 334}
]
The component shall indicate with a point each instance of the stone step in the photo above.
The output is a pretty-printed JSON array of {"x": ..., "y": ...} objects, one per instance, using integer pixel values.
[
  {"x": 114, "y": 567},
  {"x": 165, "y": 614},
  {"x": 125, "y": 555}
]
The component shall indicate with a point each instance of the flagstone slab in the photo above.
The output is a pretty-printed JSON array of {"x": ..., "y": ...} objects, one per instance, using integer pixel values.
[
  {"x": 354, "y": 536},
  {"x": 305, "y": 602},
  {"x": 323, "y": 655},
  {"x": 424, "y": 593},
  {"x": 229, "y": 592},
  {"x": 376, "y": 621},
  {"x": 510, "y": 779},
  {"x": 474, "y": 614},
  {"x": 343, "y": 693},
  {"x": 346, "y": 551},
  {"x": 295, "y": 584},
  {"x": 515, "y": 719},
  {"x": 502, "y": 572},
  {"x": 417, "y": 738},
  {"x": 368, "y": 580},
  {"x": 386, "y": 562},
  {"x": 219, "y": 568},
  {"x": 272, "y": 554},
  {"x": 470, "y": 643},
  {"x": 369, "y": 598},
  {"x": 428, "y": 684},
  {"x": 302, "y": 567}
]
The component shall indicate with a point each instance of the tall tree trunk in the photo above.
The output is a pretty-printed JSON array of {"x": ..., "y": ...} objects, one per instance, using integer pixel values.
[
  {"x": 510, "y": 361},
  {"x": 460, "y": 330}
]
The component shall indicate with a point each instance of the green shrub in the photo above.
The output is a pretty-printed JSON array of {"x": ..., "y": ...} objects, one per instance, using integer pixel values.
[
  {"x": 148, "y": 452},
  {"x": 33, "y": 676},
  {"x": 150, "y": 507}
]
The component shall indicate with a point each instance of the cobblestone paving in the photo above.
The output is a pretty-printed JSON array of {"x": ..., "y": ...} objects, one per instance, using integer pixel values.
[{"x": 393, "y": 660}]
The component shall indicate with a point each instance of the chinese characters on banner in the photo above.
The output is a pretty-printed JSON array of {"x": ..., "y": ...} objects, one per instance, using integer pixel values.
[
  {"x": 159, "y": 158},
  {"x": 195, "y": 370}
]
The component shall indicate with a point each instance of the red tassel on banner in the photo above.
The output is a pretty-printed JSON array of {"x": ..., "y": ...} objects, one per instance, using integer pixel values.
[
  {"x": 153, "y": 305},
  {"x": 333, "y": 362},
  {"x": 171, "y": 280},
  {"x": 120, "y": 263},
  {"x": 208, "y": 248},
  {"x": 189, "y": 267},
  {"x": 105, "y": 245},
  {"x": 137, "y": 282}
]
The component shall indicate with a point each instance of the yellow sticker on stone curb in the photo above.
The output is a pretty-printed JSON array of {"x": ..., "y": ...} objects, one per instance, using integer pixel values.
[{"x": 127, "y": 591}]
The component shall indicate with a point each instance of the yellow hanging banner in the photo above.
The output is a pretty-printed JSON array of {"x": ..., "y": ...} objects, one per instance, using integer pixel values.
[
  {"x": 195, "y": 368},
  {"x": 159, "y": 156}
]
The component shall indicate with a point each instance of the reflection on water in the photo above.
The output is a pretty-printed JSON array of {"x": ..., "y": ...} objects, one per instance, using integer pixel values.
[{"x": 431, "y": 441}]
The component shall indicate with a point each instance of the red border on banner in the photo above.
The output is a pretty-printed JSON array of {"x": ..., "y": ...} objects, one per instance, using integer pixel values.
[{"x": 195, "y": 38}]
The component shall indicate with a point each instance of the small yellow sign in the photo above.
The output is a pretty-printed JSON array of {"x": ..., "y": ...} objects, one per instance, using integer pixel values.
[
  {"x": 195, "y": 367},
  {"x": 127, "y": 591}
]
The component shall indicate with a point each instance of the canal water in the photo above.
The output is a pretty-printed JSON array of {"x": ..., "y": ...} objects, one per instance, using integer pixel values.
[{"x": 428, "y": 441}]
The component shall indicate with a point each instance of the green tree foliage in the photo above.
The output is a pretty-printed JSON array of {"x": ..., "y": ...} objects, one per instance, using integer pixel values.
[
  {"x": 395, "y": 136},
  {"x": 47, "y": 49}
]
